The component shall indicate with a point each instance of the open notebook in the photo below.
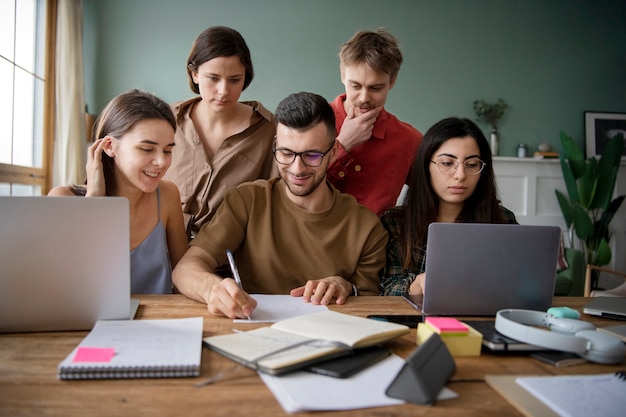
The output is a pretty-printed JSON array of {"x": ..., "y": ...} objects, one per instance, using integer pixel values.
[
  {"x": 300, "y": 341},
  {"x": 65, "y": 262}
]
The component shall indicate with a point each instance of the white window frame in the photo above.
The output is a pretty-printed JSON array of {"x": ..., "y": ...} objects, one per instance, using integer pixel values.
[{"x": 18, "y": 179}]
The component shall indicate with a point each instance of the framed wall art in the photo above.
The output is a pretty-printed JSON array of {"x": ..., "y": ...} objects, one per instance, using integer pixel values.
[{"x": 600, "y": 128}]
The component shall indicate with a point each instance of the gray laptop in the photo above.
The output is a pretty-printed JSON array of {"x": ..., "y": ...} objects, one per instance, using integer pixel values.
[
  {"x": 608, "y": 307},
  {"x": 477, "y": 269},
  {"x": 65, "y": 262}
]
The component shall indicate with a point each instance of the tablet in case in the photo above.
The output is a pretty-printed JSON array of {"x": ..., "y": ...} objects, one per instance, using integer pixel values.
[{"x": 424, "y": 374}]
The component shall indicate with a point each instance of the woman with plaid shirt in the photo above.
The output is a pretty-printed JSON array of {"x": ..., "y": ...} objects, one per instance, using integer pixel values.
[{"x": 452, "y": 180}]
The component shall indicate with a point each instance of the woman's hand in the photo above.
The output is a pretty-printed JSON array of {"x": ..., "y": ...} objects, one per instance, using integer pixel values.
[
  {"x": 95, "y": 172},
  {"x": 417, "y": 286}
]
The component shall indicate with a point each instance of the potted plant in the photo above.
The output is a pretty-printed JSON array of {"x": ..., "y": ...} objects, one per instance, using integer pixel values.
[
  {"x": 491, "y": 113},
  {"x": 588, "y": 207}
]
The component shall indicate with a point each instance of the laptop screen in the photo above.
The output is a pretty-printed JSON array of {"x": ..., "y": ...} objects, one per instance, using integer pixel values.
[
  {"x": 65, "y": 262},
  {"x": 477, "y": 269}
]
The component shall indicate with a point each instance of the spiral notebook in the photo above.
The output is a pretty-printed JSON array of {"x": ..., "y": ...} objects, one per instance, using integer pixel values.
[{"x": 116, "y": 349}]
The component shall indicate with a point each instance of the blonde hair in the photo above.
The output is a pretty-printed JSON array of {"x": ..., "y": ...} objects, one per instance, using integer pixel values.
[{"x": 378, "y": 50}]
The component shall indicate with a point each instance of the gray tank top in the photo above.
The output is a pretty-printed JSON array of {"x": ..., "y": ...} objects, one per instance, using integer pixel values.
[{"x": 150, "y": 269}]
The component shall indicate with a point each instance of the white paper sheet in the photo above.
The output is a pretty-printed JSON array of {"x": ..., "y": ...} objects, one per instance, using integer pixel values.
[
  {"x": 273, "y": 308},
  {"x": 305, "y": 391},
  {"x": 579, "y": 395}
]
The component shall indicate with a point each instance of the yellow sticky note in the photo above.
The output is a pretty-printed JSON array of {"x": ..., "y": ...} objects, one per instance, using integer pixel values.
[{"x": 457, "y": 345}]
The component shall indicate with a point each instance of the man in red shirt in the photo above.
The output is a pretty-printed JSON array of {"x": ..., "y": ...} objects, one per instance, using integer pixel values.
[{"x": 374, "y": 150}]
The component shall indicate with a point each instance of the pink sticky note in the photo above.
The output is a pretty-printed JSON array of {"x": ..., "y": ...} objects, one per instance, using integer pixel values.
[
  {"x": 89, "y": 354},
  {"x": 447, "y": 325}
]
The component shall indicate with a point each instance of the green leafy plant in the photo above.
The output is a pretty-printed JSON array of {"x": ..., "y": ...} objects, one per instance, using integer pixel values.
[
  {"x": 588, "y": 208},
  {"x": 490, "y": 113}
]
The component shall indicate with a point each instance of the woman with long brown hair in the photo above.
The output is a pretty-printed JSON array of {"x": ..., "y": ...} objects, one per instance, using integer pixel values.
[{"x": 452, "y": 180}]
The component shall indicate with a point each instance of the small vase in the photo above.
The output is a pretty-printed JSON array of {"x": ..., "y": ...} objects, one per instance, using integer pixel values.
[
  {"x": 545, "y": 147},
  {"x": 494, "y": 142}
]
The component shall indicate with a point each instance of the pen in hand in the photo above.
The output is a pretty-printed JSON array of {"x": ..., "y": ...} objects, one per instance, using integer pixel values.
[{"x": 233, "y": 268}]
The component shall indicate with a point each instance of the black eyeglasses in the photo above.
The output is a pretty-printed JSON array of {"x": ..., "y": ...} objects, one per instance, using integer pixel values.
[
  {"x": 312, "y": 159},
  {"x": 448, "y": 166}
]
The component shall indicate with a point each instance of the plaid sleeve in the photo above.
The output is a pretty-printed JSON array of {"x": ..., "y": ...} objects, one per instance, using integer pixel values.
[{"x": 394, "y": 279}]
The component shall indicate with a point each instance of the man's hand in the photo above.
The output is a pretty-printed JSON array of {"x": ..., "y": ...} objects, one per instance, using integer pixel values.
[
  {"x": 323, "y": 291},
  {"x": 357, "y": 129},
  {"x": 228, "y": 299}
]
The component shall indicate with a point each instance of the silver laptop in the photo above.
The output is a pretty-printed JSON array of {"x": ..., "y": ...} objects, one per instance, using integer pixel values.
[
  {"x": 608, "y": 307},
  {"x": 477, "y": 269},
  {"x": 65, "y": 262}
]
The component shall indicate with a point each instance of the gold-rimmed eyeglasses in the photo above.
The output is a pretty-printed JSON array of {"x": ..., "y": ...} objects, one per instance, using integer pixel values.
[
  {"x": 311, "y": 159},
  {"x": 448, "y": 166}
]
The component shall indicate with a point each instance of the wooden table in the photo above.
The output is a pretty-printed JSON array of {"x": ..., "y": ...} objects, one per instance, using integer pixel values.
[{"x": 29, "y": 384}]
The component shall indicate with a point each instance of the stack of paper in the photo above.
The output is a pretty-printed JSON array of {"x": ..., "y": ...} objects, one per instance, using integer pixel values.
[{"x": 363, "y": 390}]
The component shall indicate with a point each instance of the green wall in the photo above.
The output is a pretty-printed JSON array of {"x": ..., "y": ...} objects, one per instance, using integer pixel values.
[{"x": 550, "y": 60}]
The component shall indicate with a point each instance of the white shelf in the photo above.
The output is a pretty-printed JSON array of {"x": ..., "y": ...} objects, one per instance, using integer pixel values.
[{"x": 526, "y": 187}]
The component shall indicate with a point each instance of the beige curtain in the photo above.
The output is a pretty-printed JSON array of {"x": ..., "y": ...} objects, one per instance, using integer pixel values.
[{"x": 70, "y": 148}]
